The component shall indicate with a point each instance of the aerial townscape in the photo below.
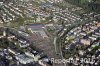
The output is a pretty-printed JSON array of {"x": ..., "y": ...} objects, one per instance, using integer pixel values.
[{"x": 49, "y": 32}]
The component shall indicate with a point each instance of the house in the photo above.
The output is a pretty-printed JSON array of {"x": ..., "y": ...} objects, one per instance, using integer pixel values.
[
  {"x": 97, "y": 33},
  {"x": 1, "y": 53},
  {"x": 14, "y": 51},
  {"x": 43, "y": 63},
  {"x": 85, "y": 41},
  {"x": 29, "y": 54},
  {"x": 92, "y": 38},
  {"x": 83, "y": 33},
  {"x": 96, "y": 36},
  {"x": 81, "y": 52},
  {"x": 33, "y": 54},
  {"x": 9, "y": 57},
  {"x": 24, "y": 59},
  {"x": 98, "y": 24},
  {"x": 23, "y": 43}
]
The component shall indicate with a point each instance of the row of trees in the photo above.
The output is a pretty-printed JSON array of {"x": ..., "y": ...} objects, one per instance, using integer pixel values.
[
  {"x": 78, "y": 1},
  {"x": 93, "y": 5}
]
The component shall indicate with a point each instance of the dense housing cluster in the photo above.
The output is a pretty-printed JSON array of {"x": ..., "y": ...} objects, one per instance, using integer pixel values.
[{"x": 83, "y": 42}]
